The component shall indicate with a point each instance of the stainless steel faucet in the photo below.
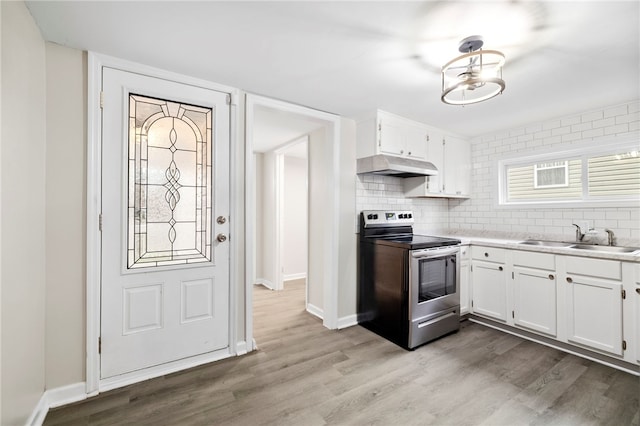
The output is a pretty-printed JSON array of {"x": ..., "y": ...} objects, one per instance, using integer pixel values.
[
  {"x": 609, "y": 236},
  {"x": 579, "y": 234}
]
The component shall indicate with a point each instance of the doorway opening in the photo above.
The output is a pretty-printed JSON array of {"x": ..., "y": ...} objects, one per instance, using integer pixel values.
[{"x": 291, "y": 150}]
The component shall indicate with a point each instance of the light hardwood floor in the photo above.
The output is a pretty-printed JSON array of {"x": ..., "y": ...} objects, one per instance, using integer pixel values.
[{"x": 304, "y": 374}]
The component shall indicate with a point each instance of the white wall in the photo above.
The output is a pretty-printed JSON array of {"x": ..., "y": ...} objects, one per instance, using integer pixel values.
[
  {"x": 65, "y": 219},
  {"x": 317, "y": 193},
  {"x": 23, "y": 213},
  {"x": 266, "y": 219},
  {"x": 347, "y": 262},
  {"x": 481, "y": 213},
  {"x": 294, "y": 223}
]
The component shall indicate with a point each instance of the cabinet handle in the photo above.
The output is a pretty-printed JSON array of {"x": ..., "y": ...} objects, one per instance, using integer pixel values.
[
  {"x": 409, "y": 153},
  {"x": 402, "y": 151},
  {"x": 569, "y": 280},
  {"x": 500, "y": 268},
  {"x": 551, "y": 277},
  {"x": 638, "y": 290},
  {"x": 486, "y": 254}
]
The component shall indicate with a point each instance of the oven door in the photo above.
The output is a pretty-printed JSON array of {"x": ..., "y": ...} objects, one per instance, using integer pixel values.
[{"x": 434, "y": 278}]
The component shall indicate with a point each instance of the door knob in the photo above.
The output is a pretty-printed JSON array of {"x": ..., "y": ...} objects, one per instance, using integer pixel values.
[
  {"x": 221, "y": 238},
  {"x": 221, "y": 220}
]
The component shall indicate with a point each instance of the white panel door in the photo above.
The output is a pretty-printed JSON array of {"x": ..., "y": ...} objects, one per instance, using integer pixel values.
[{"x": 165, "y": 182}]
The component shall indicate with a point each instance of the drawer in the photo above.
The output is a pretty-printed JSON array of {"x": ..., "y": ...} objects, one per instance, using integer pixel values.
[
  {"x": 490, "y": 254},
  {"x": 594, "y": 267},
  {"x": 535, "y": 260}
]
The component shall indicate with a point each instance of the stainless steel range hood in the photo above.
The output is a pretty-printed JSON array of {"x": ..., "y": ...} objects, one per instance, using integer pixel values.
[{"x": 395, "y": 166}]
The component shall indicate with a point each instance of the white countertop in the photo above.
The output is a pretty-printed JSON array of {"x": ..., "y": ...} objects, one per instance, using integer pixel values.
[{"x": 515, "y": 244}]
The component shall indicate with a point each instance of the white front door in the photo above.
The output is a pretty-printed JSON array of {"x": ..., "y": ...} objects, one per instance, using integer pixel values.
[{"x": 165, "y": 216}]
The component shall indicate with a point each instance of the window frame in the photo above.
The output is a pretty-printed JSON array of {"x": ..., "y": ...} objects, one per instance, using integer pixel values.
[
  {"x": 565, "y": 166},
  {"x": 583, "y": 153}
]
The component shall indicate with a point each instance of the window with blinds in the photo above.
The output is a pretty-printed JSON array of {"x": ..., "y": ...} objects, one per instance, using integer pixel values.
[{"x": 589, "y": 175}]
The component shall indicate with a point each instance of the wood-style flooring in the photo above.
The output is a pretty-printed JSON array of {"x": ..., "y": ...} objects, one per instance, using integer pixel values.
[{"x": 304, "y": 374}]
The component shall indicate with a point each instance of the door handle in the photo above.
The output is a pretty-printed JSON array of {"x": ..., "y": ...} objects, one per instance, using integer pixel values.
[
  {"x": 551, "y": 276},
  {"x": 221, "y": 238},
  {"x": 569, "y": 280}
]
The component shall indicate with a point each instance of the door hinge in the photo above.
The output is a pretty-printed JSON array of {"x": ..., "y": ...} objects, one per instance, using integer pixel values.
[
  {"x": 624, "y": 345},
  {"x": 513, "y": 314},
  {"x": 101, "y": 99},
  {"x": 100, "y": 222},
  {"x": 624, "y": 293},
  {"x": 513, "y": 277},
  {"x": 99, "y": 345},
  {"x": 472, "y": 303}
]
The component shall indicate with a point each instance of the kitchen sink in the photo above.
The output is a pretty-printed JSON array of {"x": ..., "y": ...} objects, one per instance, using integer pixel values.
[
  {"x": 606, "y": 249},
  {"x": 546, "y": 243}
]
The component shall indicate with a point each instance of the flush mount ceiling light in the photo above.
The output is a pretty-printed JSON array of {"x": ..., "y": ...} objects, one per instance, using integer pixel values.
[{"x": 474, "y": 76}]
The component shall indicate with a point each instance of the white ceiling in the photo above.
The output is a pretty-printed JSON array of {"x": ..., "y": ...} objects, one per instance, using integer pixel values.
[{"x": 349, "y": 58}]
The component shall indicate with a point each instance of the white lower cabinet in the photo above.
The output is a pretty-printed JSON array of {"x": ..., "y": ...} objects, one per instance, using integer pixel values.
[
  {"x": 636, "y": 297},
  {"x": 593, "y": 297},
  {"x": 489, "y": 283},
  {"x": 594, "y": 313},
  {"x": 464, "y": 280},
  {"x": 534, "y": 300}
]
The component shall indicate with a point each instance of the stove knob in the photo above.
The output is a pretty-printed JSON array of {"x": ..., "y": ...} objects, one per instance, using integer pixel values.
[
  {"x": 370, "y": 216},
  {"x": 375, "y": 216},
  {"x": 403, "y": 216},
  {"x": 409, "y": 215}
]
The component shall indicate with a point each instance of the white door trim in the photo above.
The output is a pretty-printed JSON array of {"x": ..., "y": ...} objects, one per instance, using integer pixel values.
[
  {"x": 330, "y": 224},
  {"x": 94, "y": 195}
]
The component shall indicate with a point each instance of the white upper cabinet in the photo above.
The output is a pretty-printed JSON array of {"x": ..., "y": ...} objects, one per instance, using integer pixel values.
[
  {"x": 390, "y": 134},
  {"x": 452, "y": 157}
]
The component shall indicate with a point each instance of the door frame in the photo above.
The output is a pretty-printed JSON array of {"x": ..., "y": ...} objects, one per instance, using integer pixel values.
[
  {"x": 95, "y": 63},
  {"x": 331, "y": 202}
]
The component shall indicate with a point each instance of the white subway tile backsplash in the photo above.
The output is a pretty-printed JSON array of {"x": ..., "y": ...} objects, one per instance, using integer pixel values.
[
  {"x": 616, "y": 110},
  {"x": 565, "y": 132}
]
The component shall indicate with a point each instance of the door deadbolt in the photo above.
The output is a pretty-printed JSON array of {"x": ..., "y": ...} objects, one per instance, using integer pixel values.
[
  {"x": 221, "y": 220},
  {"x": 221, "y": 238}
]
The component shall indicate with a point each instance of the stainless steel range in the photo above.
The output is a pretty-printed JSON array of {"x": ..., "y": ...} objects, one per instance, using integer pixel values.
[{"x": 407, "y": 283}]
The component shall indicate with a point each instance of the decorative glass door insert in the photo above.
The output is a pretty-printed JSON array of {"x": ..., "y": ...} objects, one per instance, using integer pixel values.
[{"x": 169, "y": 183}]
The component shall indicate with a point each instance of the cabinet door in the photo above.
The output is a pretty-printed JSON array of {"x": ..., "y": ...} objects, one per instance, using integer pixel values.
[
  {"x": 391, "y": 136},
  {"x": 534, "y": 300},
  {"x": 457, "y": 166},
  {"x": 489, "y": 290},
  {"x": 594, "y": 312},
  {"x": 435, "y": 154},
  {"x": 464, "y": 287},
  {"x": 416, "y": 141},
  {"x": 636, "y": 296}
]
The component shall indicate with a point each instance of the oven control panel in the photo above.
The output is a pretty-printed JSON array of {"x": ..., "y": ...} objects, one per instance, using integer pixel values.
[{"x": 374, "y": 218}]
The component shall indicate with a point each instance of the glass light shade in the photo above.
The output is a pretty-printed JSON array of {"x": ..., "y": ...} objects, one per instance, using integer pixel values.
[{"x": 473, "y": 77}]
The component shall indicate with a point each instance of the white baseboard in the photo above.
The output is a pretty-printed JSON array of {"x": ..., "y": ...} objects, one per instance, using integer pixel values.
[
  {"x": 241, "y": 348},
  {"x": 348, "y": 321},
  {"x": 314, "y": 310},
  {"x": 57, "y": 397},
  {"x": 291, "y": 277},
  {"x": 268, "y": 284}
]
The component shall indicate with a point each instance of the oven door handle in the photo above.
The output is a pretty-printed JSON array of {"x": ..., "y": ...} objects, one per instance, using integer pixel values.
[{"x": 426, "y": 254}]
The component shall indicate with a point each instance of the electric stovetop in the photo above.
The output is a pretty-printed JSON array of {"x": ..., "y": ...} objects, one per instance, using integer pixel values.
[{"x": 413, "y": 241}]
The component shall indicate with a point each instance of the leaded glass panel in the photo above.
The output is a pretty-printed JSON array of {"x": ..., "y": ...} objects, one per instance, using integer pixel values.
[{"x": 169, "y": 183}]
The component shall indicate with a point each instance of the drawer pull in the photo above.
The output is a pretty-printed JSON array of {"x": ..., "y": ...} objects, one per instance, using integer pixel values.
[
  {"x": 551, "y": 277},
  {"x": 569, "y": 280},
  {"x": 500, "y": 268},
  {"x": 486, "y": 254}
]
